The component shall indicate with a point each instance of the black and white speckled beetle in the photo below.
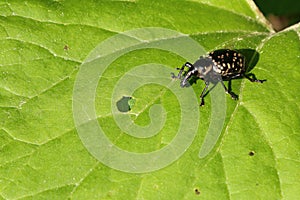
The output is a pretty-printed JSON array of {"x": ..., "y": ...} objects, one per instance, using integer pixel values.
[{"x": 218, "y": 66}]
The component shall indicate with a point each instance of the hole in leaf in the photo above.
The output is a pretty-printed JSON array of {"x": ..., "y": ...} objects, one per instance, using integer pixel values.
[{"x": 125, "y": 104}]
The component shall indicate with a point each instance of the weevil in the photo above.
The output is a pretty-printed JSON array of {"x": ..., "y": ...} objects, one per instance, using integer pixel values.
[{"x": 218, "y": 66}]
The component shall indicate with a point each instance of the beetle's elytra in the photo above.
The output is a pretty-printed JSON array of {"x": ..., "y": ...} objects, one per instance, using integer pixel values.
[{"x": 218, "y": 66}]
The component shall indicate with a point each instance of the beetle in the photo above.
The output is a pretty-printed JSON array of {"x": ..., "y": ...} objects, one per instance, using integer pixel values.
[{"x": 218, "y": 66}]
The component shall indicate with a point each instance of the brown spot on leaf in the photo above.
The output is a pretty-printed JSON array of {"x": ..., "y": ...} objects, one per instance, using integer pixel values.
[
  {"x": 197, "y": 191},
  {"x": 251, "y": 153}
]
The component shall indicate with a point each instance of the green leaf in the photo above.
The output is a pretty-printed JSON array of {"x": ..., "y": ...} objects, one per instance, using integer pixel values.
[{"x": 44, "y": 43}]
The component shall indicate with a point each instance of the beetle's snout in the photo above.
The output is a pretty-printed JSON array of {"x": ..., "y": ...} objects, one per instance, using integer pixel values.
[{"x": 183, "y": 83}]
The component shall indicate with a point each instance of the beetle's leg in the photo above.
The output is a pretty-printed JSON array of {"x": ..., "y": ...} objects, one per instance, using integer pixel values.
[
  {"x": 203, "y": 93},
  {"x": 228, "y": 91},
  {"x": 251, "y": 77},
  {"x": 187, "y": 64}
]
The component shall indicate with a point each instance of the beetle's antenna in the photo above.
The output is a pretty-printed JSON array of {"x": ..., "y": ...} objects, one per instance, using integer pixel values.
[{"x": 187, "y": 64}]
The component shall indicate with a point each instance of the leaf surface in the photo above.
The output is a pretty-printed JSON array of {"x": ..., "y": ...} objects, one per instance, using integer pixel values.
[{"x": 43, "y": 44}]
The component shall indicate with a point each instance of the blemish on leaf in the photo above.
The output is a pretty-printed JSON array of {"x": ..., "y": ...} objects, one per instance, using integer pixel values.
[
  {"x": 251, "y": 153},
  {"x": 66, "y": 48},
  {"x": 197, "y": 191},
  {"x": 131, "y": 103}
]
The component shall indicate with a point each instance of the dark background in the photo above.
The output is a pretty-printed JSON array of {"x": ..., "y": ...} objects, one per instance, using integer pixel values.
[{"x": 281, "y": 13}]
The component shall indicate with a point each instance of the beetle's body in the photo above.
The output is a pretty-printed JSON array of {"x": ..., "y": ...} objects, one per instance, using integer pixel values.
[{"x": 218, "y": 66}]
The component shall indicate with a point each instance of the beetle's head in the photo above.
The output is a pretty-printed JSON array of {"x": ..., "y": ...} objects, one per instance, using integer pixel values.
[{"x": 204, "y": 66}]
